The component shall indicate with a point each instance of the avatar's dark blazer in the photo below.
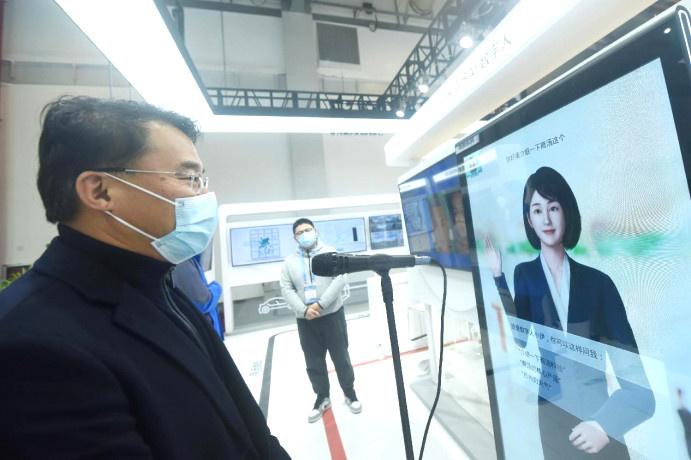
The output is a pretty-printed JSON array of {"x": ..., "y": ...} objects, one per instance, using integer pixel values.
[
  {"x": 596, "y": 312},
  {"x": 95, "y": 364}
]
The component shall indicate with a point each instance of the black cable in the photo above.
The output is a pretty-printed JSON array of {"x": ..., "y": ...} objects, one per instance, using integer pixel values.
[{"x": 441, "y": 360}]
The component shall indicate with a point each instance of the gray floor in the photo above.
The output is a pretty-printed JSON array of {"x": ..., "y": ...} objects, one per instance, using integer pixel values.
[{"x": 476, "y": 441}]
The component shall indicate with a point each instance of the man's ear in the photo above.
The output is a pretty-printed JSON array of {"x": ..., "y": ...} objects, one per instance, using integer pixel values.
[{"x": 92, "y": 190}]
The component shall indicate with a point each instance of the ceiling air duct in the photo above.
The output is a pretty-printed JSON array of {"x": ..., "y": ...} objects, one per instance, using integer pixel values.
[{"x": 421, "y": 7}]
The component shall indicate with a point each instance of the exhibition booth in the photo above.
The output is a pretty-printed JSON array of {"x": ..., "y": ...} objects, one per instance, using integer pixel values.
[{"x": 539, "y": 257}]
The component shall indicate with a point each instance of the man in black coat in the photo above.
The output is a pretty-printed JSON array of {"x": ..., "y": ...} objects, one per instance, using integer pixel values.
[{"x": 100, "y": 356}]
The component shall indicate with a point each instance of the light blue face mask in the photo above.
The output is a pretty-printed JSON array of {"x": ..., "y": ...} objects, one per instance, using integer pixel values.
[
  {"x": 307, "y": 239},
  {"x": 195, "y": 224}
]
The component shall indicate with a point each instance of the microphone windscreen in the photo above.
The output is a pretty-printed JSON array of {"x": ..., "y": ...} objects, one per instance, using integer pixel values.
[{"x": 323, "y": 264}]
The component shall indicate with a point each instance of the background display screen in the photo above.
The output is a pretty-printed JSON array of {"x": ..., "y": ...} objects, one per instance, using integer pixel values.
[
  {"x": 261, "y": 244},
  {"x": 273, "y": 243},
  {"x": 434, "y": 218},
  {"x": 345, "y": 235},
  {"x": 386, "y": 231},
  {"x": 598, "y": 335}
]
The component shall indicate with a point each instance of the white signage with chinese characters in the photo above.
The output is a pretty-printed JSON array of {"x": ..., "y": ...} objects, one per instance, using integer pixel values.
[{"x": 519, "y": 51}]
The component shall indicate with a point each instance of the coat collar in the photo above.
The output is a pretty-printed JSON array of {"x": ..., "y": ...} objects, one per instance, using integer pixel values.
[{"x": 84, "y": 274}]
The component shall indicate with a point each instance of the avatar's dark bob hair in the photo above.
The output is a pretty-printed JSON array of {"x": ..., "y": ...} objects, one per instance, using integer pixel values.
[{"x": 552, "y": 186}]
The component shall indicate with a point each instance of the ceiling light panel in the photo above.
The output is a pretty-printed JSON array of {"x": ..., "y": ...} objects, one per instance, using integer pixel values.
[{"x": 135, "y": 39}]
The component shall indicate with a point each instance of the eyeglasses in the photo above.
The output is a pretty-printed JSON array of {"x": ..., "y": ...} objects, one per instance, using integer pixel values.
[
  {"x": 303, "y": 231},
  {"x": 197, "y": 182}
]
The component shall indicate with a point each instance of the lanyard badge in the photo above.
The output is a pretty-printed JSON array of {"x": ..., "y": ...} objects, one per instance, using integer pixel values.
[{"x": 310, "y": 294}]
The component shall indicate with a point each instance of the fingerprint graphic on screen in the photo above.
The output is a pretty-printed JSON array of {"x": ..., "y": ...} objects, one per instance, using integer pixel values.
[{"x": 264, "y": 243}]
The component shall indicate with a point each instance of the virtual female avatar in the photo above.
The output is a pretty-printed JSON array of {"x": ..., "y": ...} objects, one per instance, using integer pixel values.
[{"x": 577, "y": 415}]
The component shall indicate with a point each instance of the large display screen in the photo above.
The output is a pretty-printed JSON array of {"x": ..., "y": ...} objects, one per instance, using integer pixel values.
[
  {"x": 580, "y": 224},
  {"x": 386, "y": 231},
  {"x": 434, "y": 218},
  {"x": 345, "y": 235}
]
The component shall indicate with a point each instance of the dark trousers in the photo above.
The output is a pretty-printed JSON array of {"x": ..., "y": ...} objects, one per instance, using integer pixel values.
[
  {"x": 318, "y": 335},
  {"x": 555, "y": 427}
]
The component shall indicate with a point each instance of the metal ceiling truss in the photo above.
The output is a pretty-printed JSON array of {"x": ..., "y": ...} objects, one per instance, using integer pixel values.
[
  {"x": 236, "y": 101},
  {"x": 225, "y": 7},
  {"x": 432, "y": 56}
]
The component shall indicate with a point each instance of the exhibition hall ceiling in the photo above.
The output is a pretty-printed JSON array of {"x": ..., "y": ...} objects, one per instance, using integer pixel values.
[
  {"x": 246, "y": 43},
  {"x": 385, "y": 32},
  {"x": 245, "y": 49}
]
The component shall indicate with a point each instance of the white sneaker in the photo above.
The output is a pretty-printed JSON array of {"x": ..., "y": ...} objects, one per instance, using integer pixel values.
[
  {"x": 354, "y": 405},
  {"x": 320, "y": 406}
]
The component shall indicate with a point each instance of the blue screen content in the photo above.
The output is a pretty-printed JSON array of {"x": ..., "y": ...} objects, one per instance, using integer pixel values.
[
  {"x": 345, "y": 235},
  {"x": 434, "y": 218},
  {"x": 386, "y": 231}
]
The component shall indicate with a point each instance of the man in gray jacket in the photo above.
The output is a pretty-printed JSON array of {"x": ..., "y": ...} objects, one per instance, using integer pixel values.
[{"x": 317, "y": 303}]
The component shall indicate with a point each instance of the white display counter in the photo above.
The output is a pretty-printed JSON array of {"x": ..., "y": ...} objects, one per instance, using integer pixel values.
[{"x": 409, "y": 315}]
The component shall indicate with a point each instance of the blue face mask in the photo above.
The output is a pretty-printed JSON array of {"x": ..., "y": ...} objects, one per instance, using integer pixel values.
[
  {"x": 195, "y": 224},
  {"x": 307, "y": 239}
]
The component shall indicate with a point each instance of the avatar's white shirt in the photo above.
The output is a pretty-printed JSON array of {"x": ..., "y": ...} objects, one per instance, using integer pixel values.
[{"x": 561, "y": 301}]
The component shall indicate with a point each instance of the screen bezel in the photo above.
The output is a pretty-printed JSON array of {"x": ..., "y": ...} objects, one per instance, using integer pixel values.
[{"x": 631, "y": 52}]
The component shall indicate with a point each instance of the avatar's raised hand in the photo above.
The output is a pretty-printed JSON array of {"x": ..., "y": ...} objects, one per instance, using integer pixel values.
[{"x": 493, "y": 257}]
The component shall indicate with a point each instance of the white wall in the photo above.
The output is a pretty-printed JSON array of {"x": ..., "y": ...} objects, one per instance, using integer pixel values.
[
  {"x": 354, "y": 165},
  {"x": 244, "y": 168},
  {"x": 38, "y": 30},
  {"x": 300, "y": 45},
  {"x": 24, "y": 231},
  {"x": 251, "y": 41}
]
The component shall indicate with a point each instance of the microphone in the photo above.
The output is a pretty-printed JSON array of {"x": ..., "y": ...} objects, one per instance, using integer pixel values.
[{"x": 334, "y": 264}]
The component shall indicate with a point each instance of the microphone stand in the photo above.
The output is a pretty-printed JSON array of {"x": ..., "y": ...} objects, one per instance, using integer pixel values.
[{"x": 387, "y": 293}]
